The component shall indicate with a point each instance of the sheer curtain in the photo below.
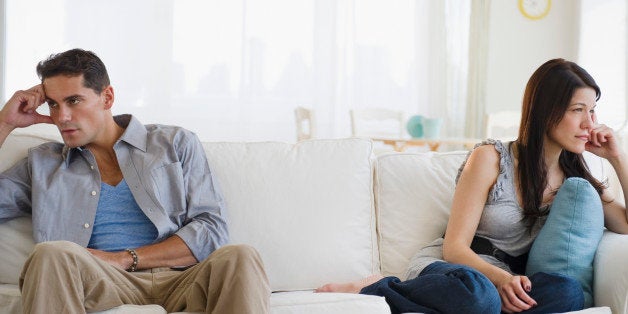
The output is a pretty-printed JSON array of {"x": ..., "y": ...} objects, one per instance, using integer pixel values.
[
  {"x": 603, "y": 37},
  {"x": 236, "y": 70},
  {"x": 478, "y": 54}
]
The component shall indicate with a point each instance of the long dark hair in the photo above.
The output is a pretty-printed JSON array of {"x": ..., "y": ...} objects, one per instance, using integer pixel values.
[{"x": 546, "y": 99}]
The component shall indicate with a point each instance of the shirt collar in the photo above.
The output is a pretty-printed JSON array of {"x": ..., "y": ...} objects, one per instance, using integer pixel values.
[{"x": 134, "y": 134}]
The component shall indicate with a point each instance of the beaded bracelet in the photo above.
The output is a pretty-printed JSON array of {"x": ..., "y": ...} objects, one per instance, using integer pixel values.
[{"x": 133, "y": 266}]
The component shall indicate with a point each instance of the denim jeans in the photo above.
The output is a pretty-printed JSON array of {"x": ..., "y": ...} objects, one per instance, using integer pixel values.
[{"x": 451, "y": 288}]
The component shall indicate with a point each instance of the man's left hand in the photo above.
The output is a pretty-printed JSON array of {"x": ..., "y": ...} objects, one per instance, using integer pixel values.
[{"x": 122, "y": 259}]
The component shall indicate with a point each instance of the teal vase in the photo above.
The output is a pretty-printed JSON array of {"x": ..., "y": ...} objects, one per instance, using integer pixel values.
[{"x": 415, "y": 126}]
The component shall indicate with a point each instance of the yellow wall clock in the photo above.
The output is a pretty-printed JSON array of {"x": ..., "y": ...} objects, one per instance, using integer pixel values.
[{"x": 535, "y": 9}]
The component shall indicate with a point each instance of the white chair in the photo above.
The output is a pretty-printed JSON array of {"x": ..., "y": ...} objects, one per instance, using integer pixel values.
[
  {"x": 502, "y": 125},
  {"x": 306, "y": 128},
  {"x": 377, "y": 123}
]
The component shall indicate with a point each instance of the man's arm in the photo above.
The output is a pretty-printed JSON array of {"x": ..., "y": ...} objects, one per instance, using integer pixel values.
[
  {"x": 171, "y": 252},
  {"x": 204, "y": 229},
  {"x": 20, "y": 111}
]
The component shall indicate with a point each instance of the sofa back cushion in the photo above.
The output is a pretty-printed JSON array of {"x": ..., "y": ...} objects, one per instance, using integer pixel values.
[
  {"x": 413, "y": 193},
  {"x": 307, "y": 208}
]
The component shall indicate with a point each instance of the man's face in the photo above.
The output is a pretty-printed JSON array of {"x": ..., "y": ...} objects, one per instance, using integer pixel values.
[{"x": 78, "y": 111}]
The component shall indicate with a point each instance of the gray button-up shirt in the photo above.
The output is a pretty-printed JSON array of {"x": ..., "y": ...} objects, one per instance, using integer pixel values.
[{"x": 164, "y": 166}]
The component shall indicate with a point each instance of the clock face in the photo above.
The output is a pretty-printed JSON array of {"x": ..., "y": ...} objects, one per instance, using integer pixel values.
[{"x": 535, "y": 9}]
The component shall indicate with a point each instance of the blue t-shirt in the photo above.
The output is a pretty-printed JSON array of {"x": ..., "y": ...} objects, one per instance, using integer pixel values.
[{"x": 120, "y": 223}]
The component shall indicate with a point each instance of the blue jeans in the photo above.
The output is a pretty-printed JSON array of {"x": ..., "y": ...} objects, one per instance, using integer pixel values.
[{"x": 451, "y": 288}]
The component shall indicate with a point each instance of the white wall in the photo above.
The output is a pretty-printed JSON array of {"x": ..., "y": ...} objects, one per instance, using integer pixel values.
[
  {"x": 2, "y": 54},
  {"x": 517, "y": 46}
]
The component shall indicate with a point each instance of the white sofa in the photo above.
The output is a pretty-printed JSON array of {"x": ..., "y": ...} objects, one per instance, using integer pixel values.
[{"x": 321, "y": 211}]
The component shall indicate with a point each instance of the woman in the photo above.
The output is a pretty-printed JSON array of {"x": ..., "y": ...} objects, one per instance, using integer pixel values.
[{"x": 504, "y": 201}]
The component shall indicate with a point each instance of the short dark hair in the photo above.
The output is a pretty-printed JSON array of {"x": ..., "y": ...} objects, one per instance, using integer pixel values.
[{"x": 76, "y": 62}]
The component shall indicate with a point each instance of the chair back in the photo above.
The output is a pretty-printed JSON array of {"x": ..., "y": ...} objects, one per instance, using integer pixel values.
[
  {"x": 502, "y": 125},
  {"x": 306, "y": 128},
  {"x": 377, "y": 123}
]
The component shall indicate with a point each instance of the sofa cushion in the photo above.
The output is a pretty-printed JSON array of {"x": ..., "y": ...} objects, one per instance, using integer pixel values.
[
  {"x": 16, "y": 146},
  {"x": 17, "y": 234},
  {"x": 413, "y": 192},
  {"x": 17, "y": 243},
  {"x": 307, "y": 302},
  {"x": 568, "y": 240},
  {"x": 611, "y": 272},
  {"x": 10, "y": 302},
  {"x": 307, "y": 207}
]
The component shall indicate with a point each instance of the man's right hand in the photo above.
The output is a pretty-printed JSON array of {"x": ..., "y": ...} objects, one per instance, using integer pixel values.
[{"x": 20, "y": 110}]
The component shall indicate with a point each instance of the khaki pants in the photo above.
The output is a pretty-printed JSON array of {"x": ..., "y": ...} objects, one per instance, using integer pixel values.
[{"x": 63, "y": 277}]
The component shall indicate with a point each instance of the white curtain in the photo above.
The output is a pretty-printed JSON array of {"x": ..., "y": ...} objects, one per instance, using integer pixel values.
[
  {"x": 603, "y": 37},
  {"x": 236, "y": 70},
  {"x": 478, "y": 56}
]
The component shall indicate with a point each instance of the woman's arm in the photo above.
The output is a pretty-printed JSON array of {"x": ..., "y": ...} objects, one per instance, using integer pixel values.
[
  {"x": 604, "y": 143},
  {"x": 478, "y": 176},
  {"x": 615, "y": 216}
]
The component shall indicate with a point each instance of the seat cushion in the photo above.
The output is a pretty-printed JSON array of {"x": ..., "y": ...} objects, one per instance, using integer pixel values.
[{"x": 307, "y": 302}]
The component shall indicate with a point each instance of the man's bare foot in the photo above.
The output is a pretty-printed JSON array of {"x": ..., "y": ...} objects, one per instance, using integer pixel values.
[{"x": 350, "y": 287}]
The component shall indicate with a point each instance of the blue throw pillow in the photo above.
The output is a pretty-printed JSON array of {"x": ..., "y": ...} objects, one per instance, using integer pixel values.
[{"x": 567, "y": 242}]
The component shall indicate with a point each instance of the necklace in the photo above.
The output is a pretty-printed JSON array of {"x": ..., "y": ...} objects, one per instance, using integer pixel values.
[{"x": 553, "y": 190}]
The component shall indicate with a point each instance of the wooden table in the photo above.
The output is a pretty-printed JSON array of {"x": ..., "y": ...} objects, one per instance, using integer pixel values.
[{"x": 400, "y": 144}]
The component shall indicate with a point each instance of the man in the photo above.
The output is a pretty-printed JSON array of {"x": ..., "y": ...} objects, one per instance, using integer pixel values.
[{"x": 119, "y": 206}]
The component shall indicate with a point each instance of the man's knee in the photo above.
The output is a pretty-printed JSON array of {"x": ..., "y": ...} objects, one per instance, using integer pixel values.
[
  {"x": 51, "y": 249},
  {"x": 240, "y": 253}
]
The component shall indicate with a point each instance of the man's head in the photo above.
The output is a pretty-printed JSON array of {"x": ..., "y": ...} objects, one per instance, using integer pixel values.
[
  {"x": 76, "y": 62},
  {"x": 77, "y": 90}
]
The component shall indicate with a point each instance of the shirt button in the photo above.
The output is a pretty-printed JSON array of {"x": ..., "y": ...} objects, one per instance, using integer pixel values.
[
  {"x": 94, "y": 193},
  {"x": 86, "y": 225},
  {"x": 91, "y": 167}
]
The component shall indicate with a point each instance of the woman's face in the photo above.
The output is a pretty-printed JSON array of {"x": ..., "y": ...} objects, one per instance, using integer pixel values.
[{"x": 574, "y": 129}]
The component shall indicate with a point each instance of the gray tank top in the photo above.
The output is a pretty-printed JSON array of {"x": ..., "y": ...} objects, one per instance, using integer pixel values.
[{"x": 501, "y": 222}]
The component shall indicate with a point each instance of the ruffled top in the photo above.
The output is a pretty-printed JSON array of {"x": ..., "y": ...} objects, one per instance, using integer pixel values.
[{"x": 501, "y": 222}]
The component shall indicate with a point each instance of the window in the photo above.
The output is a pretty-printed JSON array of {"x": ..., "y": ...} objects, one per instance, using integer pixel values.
[
  {"x": 603, "y": 38},
  {"x": 236, "y": 70}
]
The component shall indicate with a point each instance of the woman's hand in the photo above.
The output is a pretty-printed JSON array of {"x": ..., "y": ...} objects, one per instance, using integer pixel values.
[
  {"x": 513, "y": 292},
  {"x": 603, "y": 142}
]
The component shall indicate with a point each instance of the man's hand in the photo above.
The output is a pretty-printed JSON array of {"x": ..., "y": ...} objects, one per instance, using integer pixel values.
[
  {"x": 20, "y": 110},
  {"x": 122, "y": 259}
]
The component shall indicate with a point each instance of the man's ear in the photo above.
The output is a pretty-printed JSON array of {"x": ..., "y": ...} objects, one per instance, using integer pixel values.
[{"x": 108, "y": 96}]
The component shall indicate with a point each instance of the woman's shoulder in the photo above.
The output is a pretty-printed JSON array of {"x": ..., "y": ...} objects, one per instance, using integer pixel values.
[
  {"x": 493, "y": 151},
  {"x": 488, "y": 155},
  {"x": 493, "y": 145},
  {"x": 490, "y": 151}
]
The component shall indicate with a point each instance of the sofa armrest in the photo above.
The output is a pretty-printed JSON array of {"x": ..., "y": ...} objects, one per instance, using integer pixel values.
[{"x": 610, "y": 283}]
